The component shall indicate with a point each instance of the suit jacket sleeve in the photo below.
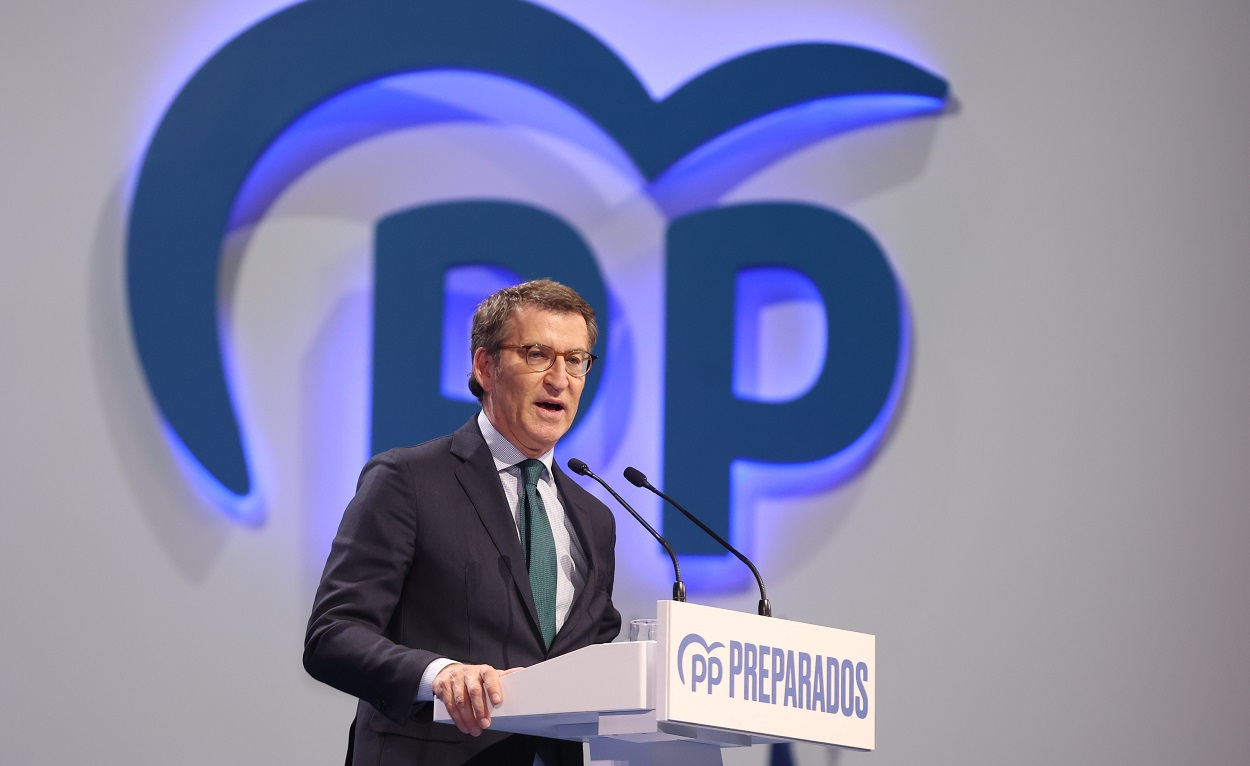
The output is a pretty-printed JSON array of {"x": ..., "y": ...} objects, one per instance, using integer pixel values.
[{"x": 349, "y": 643}]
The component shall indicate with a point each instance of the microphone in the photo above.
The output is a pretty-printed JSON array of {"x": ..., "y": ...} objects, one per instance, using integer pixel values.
[
  {"x": 638, "y": 479},
  {"x": 679, "y": 588}
]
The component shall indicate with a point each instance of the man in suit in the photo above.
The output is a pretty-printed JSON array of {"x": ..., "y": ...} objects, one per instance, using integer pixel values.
[{"x": 472, "y": 554}]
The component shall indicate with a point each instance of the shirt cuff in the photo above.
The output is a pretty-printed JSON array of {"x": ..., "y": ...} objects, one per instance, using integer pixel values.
[{"x": 425, "y": 692}]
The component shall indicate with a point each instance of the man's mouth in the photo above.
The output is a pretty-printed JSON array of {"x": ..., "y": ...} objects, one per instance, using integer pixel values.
[{"x": 551, "y": 406}]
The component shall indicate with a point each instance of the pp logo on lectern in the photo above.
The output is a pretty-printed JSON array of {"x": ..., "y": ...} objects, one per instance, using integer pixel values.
[
  {"x": 775, "y": 675},
  {"x": 687, "y": 147}
]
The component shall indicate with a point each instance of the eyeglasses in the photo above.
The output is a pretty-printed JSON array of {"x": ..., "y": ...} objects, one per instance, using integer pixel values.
[{"x": 541, "y": 358}]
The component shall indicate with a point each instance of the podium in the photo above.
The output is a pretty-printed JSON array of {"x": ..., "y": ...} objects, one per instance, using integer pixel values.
[{"x": 712, "y": 679}]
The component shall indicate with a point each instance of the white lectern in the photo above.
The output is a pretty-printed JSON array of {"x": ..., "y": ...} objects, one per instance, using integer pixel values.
[{"x": 712, "y": 679}]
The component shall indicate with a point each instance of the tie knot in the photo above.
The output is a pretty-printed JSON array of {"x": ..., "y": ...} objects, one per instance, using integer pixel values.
[{"x": 531, "y": 469}]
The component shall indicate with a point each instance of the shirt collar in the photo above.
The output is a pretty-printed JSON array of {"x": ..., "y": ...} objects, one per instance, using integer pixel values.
[{"x": 505, "y": 452}]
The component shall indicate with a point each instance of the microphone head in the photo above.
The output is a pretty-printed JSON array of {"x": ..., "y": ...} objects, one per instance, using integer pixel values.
[
  {"x": 578, "y": 467},
  {"x": 635, "y": 477}
]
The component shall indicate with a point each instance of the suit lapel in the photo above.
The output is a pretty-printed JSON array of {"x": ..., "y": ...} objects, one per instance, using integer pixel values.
[
  {"x": 581, "y": 522},
  {"x": 480, "y": 482}
]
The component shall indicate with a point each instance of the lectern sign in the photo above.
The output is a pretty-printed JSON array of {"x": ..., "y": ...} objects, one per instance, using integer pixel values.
[{"x": 766, "y": 677}]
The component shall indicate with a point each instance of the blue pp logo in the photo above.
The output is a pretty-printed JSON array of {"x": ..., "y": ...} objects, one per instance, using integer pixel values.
[
  {"x": 774, "y": 675},
  {"x": 706, "y": 669},
  {"x": 262, "y": 82}
]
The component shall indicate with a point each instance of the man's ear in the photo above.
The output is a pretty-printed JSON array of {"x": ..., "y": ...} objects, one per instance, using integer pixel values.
[{"x": 484, "y": 369}]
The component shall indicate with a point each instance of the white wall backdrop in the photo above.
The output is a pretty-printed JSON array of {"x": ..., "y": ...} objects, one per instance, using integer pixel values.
[{"x": 1050, "y": 547}]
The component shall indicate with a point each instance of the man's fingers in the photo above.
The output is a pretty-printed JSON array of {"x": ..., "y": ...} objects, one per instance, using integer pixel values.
[
  {"x": 455, "y": 695},
  {"x": 462, "y": 714},
  {"x": 470, "y": 692},
  {"x": 476, "y": 698},
  {"x": 490, "y": 683}
]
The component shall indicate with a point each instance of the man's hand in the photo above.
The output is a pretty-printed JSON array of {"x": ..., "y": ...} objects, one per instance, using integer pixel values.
[{"x": 470, "y": 692}]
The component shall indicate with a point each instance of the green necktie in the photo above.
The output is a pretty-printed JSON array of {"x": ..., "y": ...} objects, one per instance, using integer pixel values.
[{"x": 540, "y": 549}]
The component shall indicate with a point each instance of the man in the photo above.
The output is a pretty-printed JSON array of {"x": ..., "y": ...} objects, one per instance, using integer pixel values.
[{"x": 471, "y": 554}]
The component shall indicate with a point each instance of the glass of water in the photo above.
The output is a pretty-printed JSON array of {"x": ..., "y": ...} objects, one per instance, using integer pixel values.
[{"x": 642, "y": 630}]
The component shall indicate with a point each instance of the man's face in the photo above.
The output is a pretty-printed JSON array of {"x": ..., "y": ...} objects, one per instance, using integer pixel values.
[{"x": 533, "y": 409}]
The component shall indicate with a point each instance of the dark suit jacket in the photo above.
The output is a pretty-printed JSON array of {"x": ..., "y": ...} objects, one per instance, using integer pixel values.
[{"x": 427, "y": 563}]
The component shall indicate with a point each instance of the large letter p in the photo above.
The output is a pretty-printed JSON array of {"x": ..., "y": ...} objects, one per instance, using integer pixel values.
[{"x": 706, "y": 425}]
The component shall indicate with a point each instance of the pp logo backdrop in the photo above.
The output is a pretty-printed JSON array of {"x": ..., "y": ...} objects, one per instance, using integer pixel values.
[{"x": 612, "y": 191}]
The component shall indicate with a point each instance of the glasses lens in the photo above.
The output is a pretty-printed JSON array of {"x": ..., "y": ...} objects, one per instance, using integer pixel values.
[
  {"x": 539, "y": 357},
  {"x": 578, "y": 363}
]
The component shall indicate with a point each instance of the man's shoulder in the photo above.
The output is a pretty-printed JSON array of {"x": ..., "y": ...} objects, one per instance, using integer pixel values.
[
  {"x": 453, "y": 446},
  {"x": 417, "y": 454}
]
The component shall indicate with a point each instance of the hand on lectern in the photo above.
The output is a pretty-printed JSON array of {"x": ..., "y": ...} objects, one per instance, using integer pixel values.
[{"x": 470, "y": 692}]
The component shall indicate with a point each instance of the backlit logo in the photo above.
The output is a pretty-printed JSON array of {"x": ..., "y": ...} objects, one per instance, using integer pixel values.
[{"x": 721, "y": 262}]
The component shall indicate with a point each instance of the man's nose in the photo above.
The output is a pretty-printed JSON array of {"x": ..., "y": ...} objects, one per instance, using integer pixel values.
[{"x": 557, "y": 376}]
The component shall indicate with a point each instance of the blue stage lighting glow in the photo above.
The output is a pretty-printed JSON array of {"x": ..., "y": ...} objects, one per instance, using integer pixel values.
[
  {"x": 405, "y": 101},
  {"x": 247, "y": 509},
  {"x": 464, "y": 287},
  {"x": 779, "y": 360},
  {"x": 701, "y": 178}
]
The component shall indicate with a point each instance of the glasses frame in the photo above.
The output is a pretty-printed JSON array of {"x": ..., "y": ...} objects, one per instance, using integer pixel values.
[{"x": 567, "y": 367}]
